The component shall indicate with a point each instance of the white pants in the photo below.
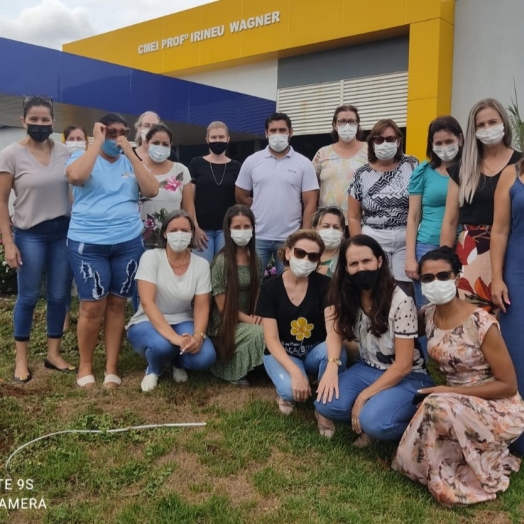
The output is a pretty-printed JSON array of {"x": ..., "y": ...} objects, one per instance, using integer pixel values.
[{"x": 393, "y": 242}]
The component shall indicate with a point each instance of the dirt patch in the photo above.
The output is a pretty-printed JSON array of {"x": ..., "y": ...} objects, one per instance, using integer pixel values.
[{"x": 487, "y": 517}]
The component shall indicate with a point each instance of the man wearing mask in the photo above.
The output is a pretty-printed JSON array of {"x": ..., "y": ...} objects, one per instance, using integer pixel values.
[{"x": 285, "y": 189}]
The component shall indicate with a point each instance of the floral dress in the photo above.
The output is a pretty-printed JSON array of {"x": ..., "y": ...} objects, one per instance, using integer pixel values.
[
  {"x": 457, "y": 444},
  {"x": 169, "y": 198}
]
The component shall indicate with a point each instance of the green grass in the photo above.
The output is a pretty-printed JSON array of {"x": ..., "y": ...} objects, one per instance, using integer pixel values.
[{"x": 249, "y": 464}]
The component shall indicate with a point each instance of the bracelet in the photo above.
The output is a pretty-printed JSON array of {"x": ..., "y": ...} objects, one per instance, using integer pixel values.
[
  {"x": 203, "y": 336},
  {"x": 336, "y": 361}
]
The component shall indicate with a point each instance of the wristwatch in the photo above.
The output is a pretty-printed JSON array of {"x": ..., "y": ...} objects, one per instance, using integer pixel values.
[
  {"x": 337, "y": 361},
  {"x": 201, "y": 333}
]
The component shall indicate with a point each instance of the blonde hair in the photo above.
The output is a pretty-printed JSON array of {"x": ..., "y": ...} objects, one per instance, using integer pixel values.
[
  {"x": 472, "y": 152},
  {"x": 138, "y": 136},
  {"x": 216, "y": 124}
]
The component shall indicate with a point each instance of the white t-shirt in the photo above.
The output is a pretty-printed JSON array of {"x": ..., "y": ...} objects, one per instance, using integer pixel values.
[
  {"x": 277, "y": 186},
  {"x": 174, "y": 293}
]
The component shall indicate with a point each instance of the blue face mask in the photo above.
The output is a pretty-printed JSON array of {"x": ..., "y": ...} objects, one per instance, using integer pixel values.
[{"x": 110, "y": 148}]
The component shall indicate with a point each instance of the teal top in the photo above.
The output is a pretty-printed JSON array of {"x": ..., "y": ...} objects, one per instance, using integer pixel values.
[{"x": 433, "y": 187}]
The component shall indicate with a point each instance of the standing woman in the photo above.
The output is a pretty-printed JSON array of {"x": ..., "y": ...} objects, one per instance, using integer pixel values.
[
  {"x": 470, "y": 200},
  {"x": 428, "y": 188},
  {"x": 34, "y": 169},
  {"x": 507, "y": 255},
  {"x": 336, "y": 164},
  {"x": 378, "y": 200},
  {"x": 330, "y": 224},
  {"x": 142, "y": 126},
  {"x": 213, "y": 177},
  {"x": 235, "y": 275},
  {"x": 105, "y": 239}
]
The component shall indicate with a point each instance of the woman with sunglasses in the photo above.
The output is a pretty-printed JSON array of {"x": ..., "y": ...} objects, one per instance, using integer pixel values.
[
  {"x": 105, "y": 239},
  {"x": 235, "y": 275},
  {"x": 336, "y": 164},
  {"x": 378, "y": 199},
  {"x": 376, "y": 393},
  {"x": 457, "y": 443},
  {"x": 329, "y": 222},
  {"x": 292, "y": 306},
  {"x": 36, "y": 246}
]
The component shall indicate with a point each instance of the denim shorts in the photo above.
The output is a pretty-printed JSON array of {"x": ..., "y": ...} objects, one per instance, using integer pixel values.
[{"x": 103, "y": 269}]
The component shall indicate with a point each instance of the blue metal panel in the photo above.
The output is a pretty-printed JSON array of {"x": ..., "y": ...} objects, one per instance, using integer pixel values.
[{"x": 75, "y": 80}]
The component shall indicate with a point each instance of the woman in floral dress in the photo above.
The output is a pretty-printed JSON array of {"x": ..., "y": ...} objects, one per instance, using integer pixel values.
[{"x": 457, "y": 443}]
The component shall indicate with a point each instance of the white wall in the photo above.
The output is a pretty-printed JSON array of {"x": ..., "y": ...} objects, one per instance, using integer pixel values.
[
  {"x": 258, "y": 79},
  {"x": 488, "y": 53}
]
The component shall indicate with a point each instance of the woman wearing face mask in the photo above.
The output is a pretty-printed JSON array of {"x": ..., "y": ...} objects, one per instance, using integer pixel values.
[
  {"x": 376, "y": 393},
  {"x": 75, "y": 138},
  {"x": 213, "y": 180},
  {"x": 378, "y": 199},
  {"x": 34, "y": 169},
  {"x": 142, "y": 126},
  {"x": 173, "y": 178},
  {"x": 457, "y": 443},
  {"x": 428, "y": 188},
  {"x": 470, "y": 200},
  {"x": 292, "y": 306},
  {"x": 169, "y": 328},
  {"x": 336, "y": 164},
  {"x": 235, "y": 275},
  {"x": 330, "y": 224},
  {"x": 105, "y": 239}
]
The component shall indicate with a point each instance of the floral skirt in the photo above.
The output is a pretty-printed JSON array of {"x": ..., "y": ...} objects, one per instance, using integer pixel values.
[{"x": 473, "y": 250}]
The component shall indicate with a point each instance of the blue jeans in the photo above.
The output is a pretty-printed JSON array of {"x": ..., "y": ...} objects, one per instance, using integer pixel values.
[
  {"x": 314, "y": 364},
  {"x": 44, "y": 251},
  {"x": 103, "y": 269},
  {"x": 159, "y": 352},
  {"x": 386, "y": 415},
  {"x": 215, "y": 242},
  {"x": 266, "y": 248}
]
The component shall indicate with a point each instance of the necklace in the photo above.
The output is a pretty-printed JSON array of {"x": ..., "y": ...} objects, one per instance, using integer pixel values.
[
  {"x": 213, "y": 173},
  {"x": 175, "y": 265}
]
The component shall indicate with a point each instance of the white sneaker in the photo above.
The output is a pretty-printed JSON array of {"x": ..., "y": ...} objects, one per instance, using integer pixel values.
[
  {"x": 149, "y": 382},
  {"x": 179, "y": 374}
]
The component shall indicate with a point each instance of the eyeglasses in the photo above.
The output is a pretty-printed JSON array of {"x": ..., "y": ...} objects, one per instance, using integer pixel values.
[
  {"x": 37, "y": 98},
  {"x": 344, "y": 122},
  {"x": 111, "y": 132},
  {"x": 300, "y": 254},
  {"x": 381, "y": 139},
  {"x": 443, "y": 276}
]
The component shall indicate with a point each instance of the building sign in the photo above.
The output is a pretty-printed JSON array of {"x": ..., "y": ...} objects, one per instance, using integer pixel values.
[{"x": 237, "y": 26}]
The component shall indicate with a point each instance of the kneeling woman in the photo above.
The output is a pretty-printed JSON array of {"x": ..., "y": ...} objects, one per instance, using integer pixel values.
[
  {"x": 376, "y": 393},
  {"x": 164, "y": 329},
  {"x": 292, "y": 306},
  {"x": 457, "y": 443}
]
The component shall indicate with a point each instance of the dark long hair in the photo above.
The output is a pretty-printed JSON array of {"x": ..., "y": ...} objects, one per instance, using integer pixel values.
[
  {"x": 229, "y": 317},
  {"x": 345, "y": 296},
  {"x": 443, "y": 123}
]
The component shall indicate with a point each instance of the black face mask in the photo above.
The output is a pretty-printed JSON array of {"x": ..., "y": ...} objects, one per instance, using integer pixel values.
[
  {"x": 217, "y": 147},
  {"x": 365, "y": 280},
  {"x": 38, "y": 132}
]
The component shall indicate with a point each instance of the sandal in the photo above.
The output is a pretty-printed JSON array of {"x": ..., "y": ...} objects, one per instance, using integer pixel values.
[
  {"x": 112, "y": 381},
  {"x": 87, "y": 381},
  {"x": 24, "y": 379},
  {"x": 326, "y": 427}
]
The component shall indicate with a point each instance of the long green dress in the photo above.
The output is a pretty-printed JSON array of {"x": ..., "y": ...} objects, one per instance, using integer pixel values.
[{"x": 249, "y": 338}]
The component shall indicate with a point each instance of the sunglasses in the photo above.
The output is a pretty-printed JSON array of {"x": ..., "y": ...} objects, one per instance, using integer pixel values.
[
  {"x": 443, "y": 276},
  {"x": 300, "y": 254},
  {"x": 342, "y": 122},
  {"x": 111, "y": 132},
  {"x": 37, "y": 98},
  {"x": 381, "y": 139}
]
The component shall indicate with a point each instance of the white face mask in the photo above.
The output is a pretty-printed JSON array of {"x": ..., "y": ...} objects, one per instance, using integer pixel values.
[
  {"x": 446, "y": 153},
  {"x": 178, "y": 240},
  {"x": 386, "y": 150},
  {"x": 301, "y": 267},
  {"x": 75, "y": 145},
  {"x": 492, "y": 135},
  {"x": 241, "y": 237},
  {"x": 438, "y": 292},
  {"x": 331, "y": 237},
  {"x": 278, "y": 142},
  {"x": 159, "y": 153},
  {"x": 346, "y": 132}
]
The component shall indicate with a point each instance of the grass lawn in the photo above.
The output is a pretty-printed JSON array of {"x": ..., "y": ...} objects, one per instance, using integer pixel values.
[{"x": 250, "y": 464}]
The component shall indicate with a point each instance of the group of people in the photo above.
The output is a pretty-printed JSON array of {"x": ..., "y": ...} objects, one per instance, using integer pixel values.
[{"x": 430, "y": 250}]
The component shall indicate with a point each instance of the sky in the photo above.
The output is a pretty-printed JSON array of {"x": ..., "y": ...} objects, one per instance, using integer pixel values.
[{"x": 51, "y": 23}]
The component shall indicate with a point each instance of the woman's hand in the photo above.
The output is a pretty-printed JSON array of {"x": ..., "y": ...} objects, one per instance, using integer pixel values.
[
  {"x": 99, "y": 133},
  {"x": 412, "y": 269},
  {"x": 355, "y": 413},
  {"x": 12, "y": 256},
  {"x": 256, "y": 320},
  {"x": 200, "y": 239},
  {"x": 500, "y": 294},
  {"x": 300, "y": 386},
  {"x": 328, "y": 385},
  {"x": 123, "y": 143},
  {"x": 434, "y": 389},
  {"x": 191, "y": 343}
]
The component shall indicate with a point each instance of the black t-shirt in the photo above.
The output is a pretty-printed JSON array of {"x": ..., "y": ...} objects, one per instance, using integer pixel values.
[
  {"x": 481, "y": 209},
  {"x": 214, "y": 190},
  {"x": 301, "y": 327}
]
